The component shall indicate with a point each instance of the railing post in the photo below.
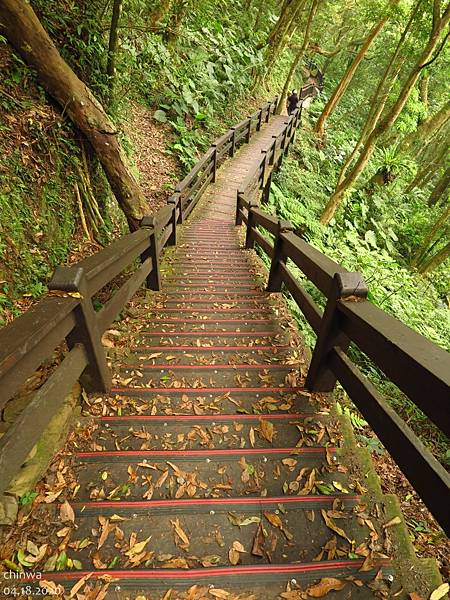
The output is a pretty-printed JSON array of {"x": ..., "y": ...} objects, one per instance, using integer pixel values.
[
  {"x": 275, "y": 282},
  {"x": 238, "y": 219},
  {"x": 268, "y": 113},
  {"x": 274, "y": 145},
  {"x": 214, "y": 158},
  {"x": 249, "y": 130},
  {"x": 346, "y": 287},
  {"x": 178, "y": 193},
  {"x": 249, "y": 241},
  {"x": 266, "y": 190},
  {"x": 172, "y": 241},
  {"x": 233, "y": 142},
  {"x": 154, "y": 277},
  {"x": 264, "y": 165},
  {"x": 258, "y": 126},
  {"x": 97, "y": 376}
]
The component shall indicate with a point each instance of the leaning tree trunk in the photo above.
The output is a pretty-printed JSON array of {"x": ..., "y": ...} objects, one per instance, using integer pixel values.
[
  {"x": 298, "y": 57},
  {"x": 381, "y": 94},
  {"x": 426, "y": 129},
  {"x": 112, "y": 45},
  {"x": 440, "y": 191},
  {"x": 439, "y": 25},
  {"x": 20, "y": 25},
  {"x": 424, "y": 249},
  {"x": 435, "y": 260},
  {"x": 345, "y": 81}
]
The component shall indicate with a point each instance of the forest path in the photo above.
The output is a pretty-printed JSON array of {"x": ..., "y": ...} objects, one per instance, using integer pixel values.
[{"x": 209, "y": 470}]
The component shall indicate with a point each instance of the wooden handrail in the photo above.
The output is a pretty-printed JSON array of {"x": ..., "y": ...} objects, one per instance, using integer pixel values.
[
  {"x": 67, "y": 314},
  {"x": 420, "y": 368}
]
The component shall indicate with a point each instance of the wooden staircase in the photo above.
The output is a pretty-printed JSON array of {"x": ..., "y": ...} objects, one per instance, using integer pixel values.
[
  {"x": 209, "y": 465},
  {"x": 208, "y": 470}
]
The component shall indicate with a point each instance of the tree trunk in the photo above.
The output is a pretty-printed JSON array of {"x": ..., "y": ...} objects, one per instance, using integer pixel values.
[
  {"x": 429, "y": 167},
  {"x": 381, "y": 94},
  {"x": 432, "y": 233},
  {"x": 112, "y": 46},
  {"x": 426, "y": 129},
  {"x": 439, "y": 24},
  {"x": 298, "y": 58},
  {"x": 348, "y": 76},
  {"x": 441, "y": 189},
  {"x": 289, "y": 16},
  {"x": 20, "y": 25},
  {"x": 424, "y": 83},
  {"x": 435, "y": 260}
]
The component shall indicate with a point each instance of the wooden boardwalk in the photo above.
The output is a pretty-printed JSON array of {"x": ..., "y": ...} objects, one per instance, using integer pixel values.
[{"x": 208, "y": 470}]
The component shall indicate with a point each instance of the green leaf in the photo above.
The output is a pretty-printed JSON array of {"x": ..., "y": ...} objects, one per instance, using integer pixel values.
[{"x": 160, "y": 116}]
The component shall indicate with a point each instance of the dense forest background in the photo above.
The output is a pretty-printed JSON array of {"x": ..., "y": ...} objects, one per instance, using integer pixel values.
[{"x": 367, "y": 182}]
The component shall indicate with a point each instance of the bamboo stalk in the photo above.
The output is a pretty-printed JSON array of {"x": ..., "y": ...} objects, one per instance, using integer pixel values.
[{"x": 81, "y": 211}]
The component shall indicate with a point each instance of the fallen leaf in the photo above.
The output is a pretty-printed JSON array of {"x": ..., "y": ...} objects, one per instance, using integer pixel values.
[
  {"x": 181, "y": 534},
  {"x": 440, "y": 592},
  {"x": 394, "y": 521},
  {"x": 325, "y": 585},
  {"x": 66, "y": 513},
  {"x": 329, "y": 522},
  {"x": 79, "y": 584},
  {"x": 267, "y": 429},
  {"x": 258, "y": 541}
]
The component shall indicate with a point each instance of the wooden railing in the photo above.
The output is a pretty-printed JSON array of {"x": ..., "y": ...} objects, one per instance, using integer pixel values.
[
  {"x": 67, "y": 315},
  {"x": 419, "y": 368}
]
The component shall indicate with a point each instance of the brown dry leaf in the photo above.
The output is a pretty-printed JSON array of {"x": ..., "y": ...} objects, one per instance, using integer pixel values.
[
  {"x": 235, "y": 551},
  {"x": 218, "y": 593},
  {"x": 329, "y": 522},
  {"x": 267, "y": 429},
  {"x": 66, "y": 513},
  {"x": 394, "y": 521},
  {"x": 274, "y": 520},
  {"x": 414, "y": 596},
  {"x": 162, "y": 479},
  {"x": 50, "y": 586},
  {"x": 181, "y": 535},
  {"x": 258, "y": 541},
  {"x": 325, "y": 585},
  {"x": 79, "y": 584},
  {"x": 105, "y": 530},
  {"x": 251, "y": 435}
]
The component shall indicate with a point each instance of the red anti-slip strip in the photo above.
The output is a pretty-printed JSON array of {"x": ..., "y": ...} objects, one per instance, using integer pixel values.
[
  {"x": 224, "y": 294},
  {"x": 195, "y": 574},
  {"x": 213, "y": 310},
  {"x": 200, "y": 321},
  {"x": 207, "y": 453},
  {"x": 170, "y": 348},
  {"x": 214, "y": 501},
  {"x": 183, "y": 276},
  {"x": 211, "y": 367},
  {"x": 262, "y": 390},
  {"x": 233, "y": 417},
  {"x": 201, "y": 333}
]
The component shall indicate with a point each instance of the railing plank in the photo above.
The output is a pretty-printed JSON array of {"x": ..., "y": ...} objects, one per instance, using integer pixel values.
[
  {"x": 418, "y": 367},
  {"x": 101, "y": 268},
  {"x": 426, "y": 474},
  {"x": 317, "y": 267},
  {"x": 303, "y": 300},
  {"x": 30, "y": 339},
  {"x": 115, "y": 305},
  {"x": 265, "y": 220},
  {"x": 262, "y": 242},
  {"x": 20, "y": 438}
]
